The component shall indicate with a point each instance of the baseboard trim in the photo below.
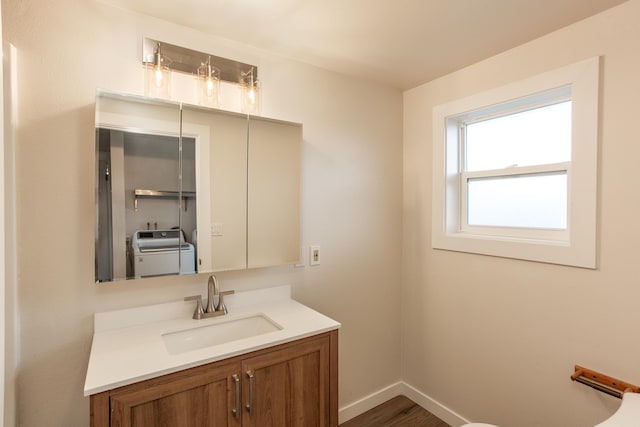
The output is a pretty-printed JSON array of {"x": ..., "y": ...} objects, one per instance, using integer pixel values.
[
  {"x": 436, "y": 408},
  {"x": 360, "y": 406}
]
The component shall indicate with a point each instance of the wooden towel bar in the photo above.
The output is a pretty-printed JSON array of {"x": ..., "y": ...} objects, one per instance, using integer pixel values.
[{"x": 603, "y": 383}]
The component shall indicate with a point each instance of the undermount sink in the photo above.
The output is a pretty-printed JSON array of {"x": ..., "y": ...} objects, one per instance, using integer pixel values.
[{"x": 218, "y": 333}]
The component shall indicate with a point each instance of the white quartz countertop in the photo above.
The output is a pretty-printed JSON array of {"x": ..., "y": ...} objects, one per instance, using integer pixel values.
[{"x": 128, "y": 346}]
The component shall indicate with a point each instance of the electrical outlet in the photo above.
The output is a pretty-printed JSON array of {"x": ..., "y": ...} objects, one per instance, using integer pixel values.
[{"x": 314, "y": 255}]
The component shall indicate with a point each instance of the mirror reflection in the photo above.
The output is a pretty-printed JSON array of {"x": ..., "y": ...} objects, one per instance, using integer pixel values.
[
  {"x": 142, "y": 179},
  {"x": 145, "y": 214},
  {"x": 221, "y": 185},
  {"x": 185, "y": 189}
]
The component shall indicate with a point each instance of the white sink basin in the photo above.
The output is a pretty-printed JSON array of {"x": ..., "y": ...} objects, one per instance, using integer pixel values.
[{"x": 218, "y": 333}]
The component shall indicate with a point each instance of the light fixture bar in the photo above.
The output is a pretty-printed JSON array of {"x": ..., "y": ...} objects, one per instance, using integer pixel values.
[{"x": 187, "y": 61}]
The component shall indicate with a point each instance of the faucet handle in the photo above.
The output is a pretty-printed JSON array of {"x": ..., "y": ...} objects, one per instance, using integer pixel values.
[
  {"x": 199, "y": 311},
  {"x": 221, "y": 306}
]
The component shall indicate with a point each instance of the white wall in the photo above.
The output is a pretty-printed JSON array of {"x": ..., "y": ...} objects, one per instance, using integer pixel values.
[
  {"x": 352, "y": 180},
  {"x": 496, "y": 339}
]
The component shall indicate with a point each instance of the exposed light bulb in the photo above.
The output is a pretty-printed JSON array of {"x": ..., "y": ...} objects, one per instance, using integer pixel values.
[
  {"x": 210, "y": 86},
  {"x": 208, "y": 78},
  {"x": 158, "y": 80},
  {"x": 251, "y": 94}
]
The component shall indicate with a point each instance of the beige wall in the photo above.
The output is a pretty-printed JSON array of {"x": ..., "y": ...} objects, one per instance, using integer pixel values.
[
  {"x": 352, "y": 180},
  {"x": 496, "y": 339}
]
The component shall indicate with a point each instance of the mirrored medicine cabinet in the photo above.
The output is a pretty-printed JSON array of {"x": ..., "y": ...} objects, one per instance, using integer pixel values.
[{"x": 183, "y": 189}]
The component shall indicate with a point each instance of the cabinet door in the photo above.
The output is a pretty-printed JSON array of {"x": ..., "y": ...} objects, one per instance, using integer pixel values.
[
  {"x": 221, "y": 187},
  {"x": 136, "y": 149},
  {"x": 195, "y": 398},
  {"x": 288, "y": 387},
  {"x": 273, "y": 208}
]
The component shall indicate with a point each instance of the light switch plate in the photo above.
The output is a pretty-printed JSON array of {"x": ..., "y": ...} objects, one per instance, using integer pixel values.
[{"x": 217, "y": 229}]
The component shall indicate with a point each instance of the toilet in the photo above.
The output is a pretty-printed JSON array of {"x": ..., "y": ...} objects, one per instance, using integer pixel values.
[{"x": 627, "y": 415}]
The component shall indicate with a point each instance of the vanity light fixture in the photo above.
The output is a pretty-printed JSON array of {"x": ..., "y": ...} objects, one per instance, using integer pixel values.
[
  {"x": 250, "y": 93},
  {"x": 208, "y": 84},
  {"x": 208, "y": 69},
  {"x": 157, "y": 75}
]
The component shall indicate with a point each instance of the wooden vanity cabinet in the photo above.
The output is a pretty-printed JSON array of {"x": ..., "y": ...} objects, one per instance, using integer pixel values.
[
  {"x": 293, "y": 384},
  {"x": 198, "y": 397},
  {"x": 288, "y": 387}
]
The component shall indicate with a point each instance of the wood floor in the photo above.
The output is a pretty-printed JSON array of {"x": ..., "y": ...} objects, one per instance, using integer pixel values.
[{"x": 397, "y": 412}]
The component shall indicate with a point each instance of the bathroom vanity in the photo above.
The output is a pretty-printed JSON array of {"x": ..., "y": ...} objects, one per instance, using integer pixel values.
[{"x": 270, "y": 362}]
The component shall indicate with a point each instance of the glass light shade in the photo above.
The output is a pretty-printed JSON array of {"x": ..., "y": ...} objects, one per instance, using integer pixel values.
[
  {"x": 157, "y": 81},
  {"x": 208, "y": 86},
  {"x": 251, "y": 97}
]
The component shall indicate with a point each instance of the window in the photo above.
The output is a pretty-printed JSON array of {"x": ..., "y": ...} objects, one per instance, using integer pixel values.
[
  {"x": 514, "y": 170},
  {"x": 514, "y": 165}
]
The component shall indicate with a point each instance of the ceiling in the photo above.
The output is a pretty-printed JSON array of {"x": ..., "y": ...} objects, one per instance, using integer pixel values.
[{"x": 400, "y": 43}]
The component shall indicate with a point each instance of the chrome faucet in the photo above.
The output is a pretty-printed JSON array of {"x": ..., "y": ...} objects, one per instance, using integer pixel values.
[
  {"x": 212, "y": 309},
  {"x": 212, "y": 289}
]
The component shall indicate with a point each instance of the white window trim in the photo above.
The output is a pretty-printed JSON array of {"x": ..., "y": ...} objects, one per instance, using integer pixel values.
[{"x": 577, "y": 247}]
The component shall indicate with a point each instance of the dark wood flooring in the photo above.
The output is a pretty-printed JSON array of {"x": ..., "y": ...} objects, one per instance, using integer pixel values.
[{"x": 397, "y": 412}]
